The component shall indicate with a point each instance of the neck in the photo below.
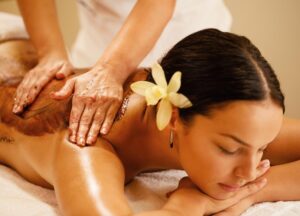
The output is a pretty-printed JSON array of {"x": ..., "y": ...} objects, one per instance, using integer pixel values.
[{"x": 158, "y": 150}]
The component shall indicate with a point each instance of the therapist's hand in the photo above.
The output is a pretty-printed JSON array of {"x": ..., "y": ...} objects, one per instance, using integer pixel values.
[
  {"x": 96, "y": 100},
  {"x": 49, "y": 67}
]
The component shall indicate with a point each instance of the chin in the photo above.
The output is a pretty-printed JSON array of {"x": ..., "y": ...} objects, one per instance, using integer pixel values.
[
  {"x": 219, "y": 194},
  {"x": 223, "y": 196}
]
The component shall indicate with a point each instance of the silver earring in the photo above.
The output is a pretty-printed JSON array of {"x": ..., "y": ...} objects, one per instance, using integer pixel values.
[{"x": 171, "y": 139}]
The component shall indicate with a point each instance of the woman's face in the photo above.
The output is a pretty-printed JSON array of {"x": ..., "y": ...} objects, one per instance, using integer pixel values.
[{"x": 220, "y": 153}]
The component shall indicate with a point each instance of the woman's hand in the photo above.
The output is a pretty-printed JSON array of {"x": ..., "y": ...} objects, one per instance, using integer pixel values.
[
  {"x": 238, "y": 208},
  {"x": 189, "y": 200},
  {"x": 97, "y": 98},
  {"x": 192, "y": 200},
  {"x": 50, "y": 66}
]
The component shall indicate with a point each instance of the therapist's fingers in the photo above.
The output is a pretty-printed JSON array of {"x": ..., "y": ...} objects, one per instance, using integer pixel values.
[
  {"x": 110, "y": 116},
  {"x": 35, "y": 87},
  {"x": 20, "y": 95},
  {"x": 84, "y": 124},
  {"x": 65, "y": 70},
  {"x": 36, "y": 79},
  {"x": 95, "y": 127},
  {"x": 65, "y": 92},
  {"x": 76, "y": 112}
]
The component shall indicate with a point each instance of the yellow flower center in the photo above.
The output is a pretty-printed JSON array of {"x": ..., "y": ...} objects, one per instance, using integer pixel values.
[{"x": 159, "y": 92}]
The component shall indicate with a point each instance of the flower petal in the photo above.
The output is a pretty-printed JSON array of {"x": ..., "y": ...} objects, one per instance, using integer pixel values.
[
  {"x": 164, "y": 114},
  {"x": 175, "y": 82},
  {"x": 140, "y": 87},
  {"x": 158, "y": 75},
  {"x": 152, "y": 95},
  {"x": 179, "y": 100}
]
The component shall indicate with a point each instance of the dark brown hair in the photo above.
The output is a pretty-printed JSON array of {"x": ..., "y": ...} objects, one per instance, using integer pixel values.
[{"x": 218, "y": 68}]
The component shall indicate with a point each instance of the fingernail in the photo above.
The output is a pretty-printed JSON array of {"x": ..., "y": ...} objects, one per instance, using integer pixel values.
[
  {"x": 60, "y": 76},
  {"x": 263, "y": 181},
  {"x": 73, "y": 138},
  {"x": 89, "y": 140},
  {"x": 81, "y": 141},
  {"x": 266, "y": 164},
  {"x": 103, "y": 130},
  {"x": 15, "y": 108}
]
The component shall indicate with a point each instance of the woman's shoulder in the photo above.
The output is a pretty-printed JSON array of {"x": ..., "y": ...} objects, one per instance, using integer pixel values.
[{"x": 140, "y": 74}]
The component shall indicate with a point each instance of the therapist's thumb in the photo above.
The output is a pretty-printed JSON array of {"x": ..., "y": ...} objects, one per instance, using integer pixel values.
[
  {"x": 65, "y": 92},
  {"x": 64, "y": 70}
]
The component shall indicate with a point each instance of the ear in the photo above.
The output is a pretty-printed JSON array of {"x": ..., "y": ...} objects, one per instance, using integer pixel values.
[{"x": 175, "y": 119}]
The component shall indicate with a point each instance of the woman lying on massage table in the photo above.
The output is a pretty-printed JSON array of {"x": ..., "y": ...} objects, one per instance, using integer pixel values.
[{"x": 226, "y": 114}]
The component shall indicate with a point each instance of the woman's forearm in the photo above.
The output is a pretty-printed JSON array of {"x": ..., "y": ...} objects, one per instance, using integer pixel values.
[
  {"x": 162, "y": 212},
  {"x": 138, "y": 35},
  {"x": 283, "y": 184},
  {"x": 42, "y": 25},
  {"x": 178, "y": 206}
]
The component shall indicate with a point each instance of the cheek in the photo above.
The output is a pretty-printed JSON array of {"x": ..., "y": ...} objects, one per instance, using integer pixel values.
[{"x": 204, "y": 164}]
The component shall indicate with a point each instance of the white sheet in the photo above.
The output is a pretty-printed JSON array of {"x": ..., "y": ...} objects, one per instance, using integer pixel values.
[
  {"x": 11, "y": 27},
  {"x": 146, "y": 192}
]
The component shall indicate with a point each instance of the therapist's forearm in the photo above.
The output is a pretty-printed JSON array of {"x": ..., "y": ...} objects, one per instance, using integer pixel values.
[
  {"x": 42, "y": 25},
  {"x": 138, "y": 35}
]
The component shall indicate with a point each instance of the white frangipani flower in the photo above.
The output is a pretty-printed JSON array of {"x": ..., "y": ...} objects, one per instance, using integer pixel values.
[{"x": 165, "y": 94}]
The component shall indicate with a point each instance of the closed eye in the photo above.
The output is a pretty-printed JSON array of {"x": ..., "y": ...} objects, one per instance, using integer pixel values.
[{"x": 226, "y": 151}]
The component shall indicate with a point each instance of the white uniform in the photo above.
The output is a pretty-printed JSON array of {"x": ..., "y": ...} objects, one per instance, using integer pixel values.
[{"x": 100, "y": 20}]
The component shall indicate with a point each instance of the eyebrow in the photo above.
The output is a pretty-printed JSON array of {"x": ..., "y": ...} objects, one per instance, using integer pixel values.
[{"x": 236, "y": 139}]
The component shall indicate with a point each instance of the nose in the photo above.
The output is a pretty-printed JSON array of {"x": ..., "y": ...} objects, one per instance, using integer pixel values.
[{"x": 246, "y": 170}]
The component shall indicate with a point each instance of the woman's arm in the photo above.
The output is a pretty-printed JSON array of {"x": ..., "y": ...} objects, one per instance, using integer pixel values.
[
  {"x": 284, "y": 151},
  {"x": 283, "y": 184},
  {"x": 89, "y": 181},
  {"x": 286, "y": 147}
]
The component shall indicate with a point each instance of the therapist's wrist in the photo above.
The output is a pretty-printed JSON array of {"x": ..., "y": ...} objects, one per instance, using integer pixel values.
[
  {"x": 120, "y": 70},
  {"x": 44, "y": 53},
  {"x": 50, "y": 48}
]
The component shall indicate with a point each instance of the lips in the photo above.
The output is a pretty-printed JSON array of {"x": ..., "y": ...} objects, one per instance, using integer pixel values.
[{"x": 229, "y": 188}]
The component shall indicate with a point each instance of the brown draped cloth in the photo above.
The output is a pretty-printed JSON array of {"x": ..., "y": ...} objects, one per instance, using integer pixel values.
[{"x": 45, "y": 115}]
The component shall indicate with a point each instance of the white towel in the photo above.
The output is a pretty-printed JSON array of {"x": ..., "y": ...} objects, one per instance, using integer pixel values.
[{"x": 11, "y": 27}]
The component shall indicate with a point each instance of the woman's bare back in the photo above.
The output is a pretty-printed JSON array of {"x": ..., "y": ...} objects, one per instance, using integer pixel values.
[{"x": 35, "y": 135}]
